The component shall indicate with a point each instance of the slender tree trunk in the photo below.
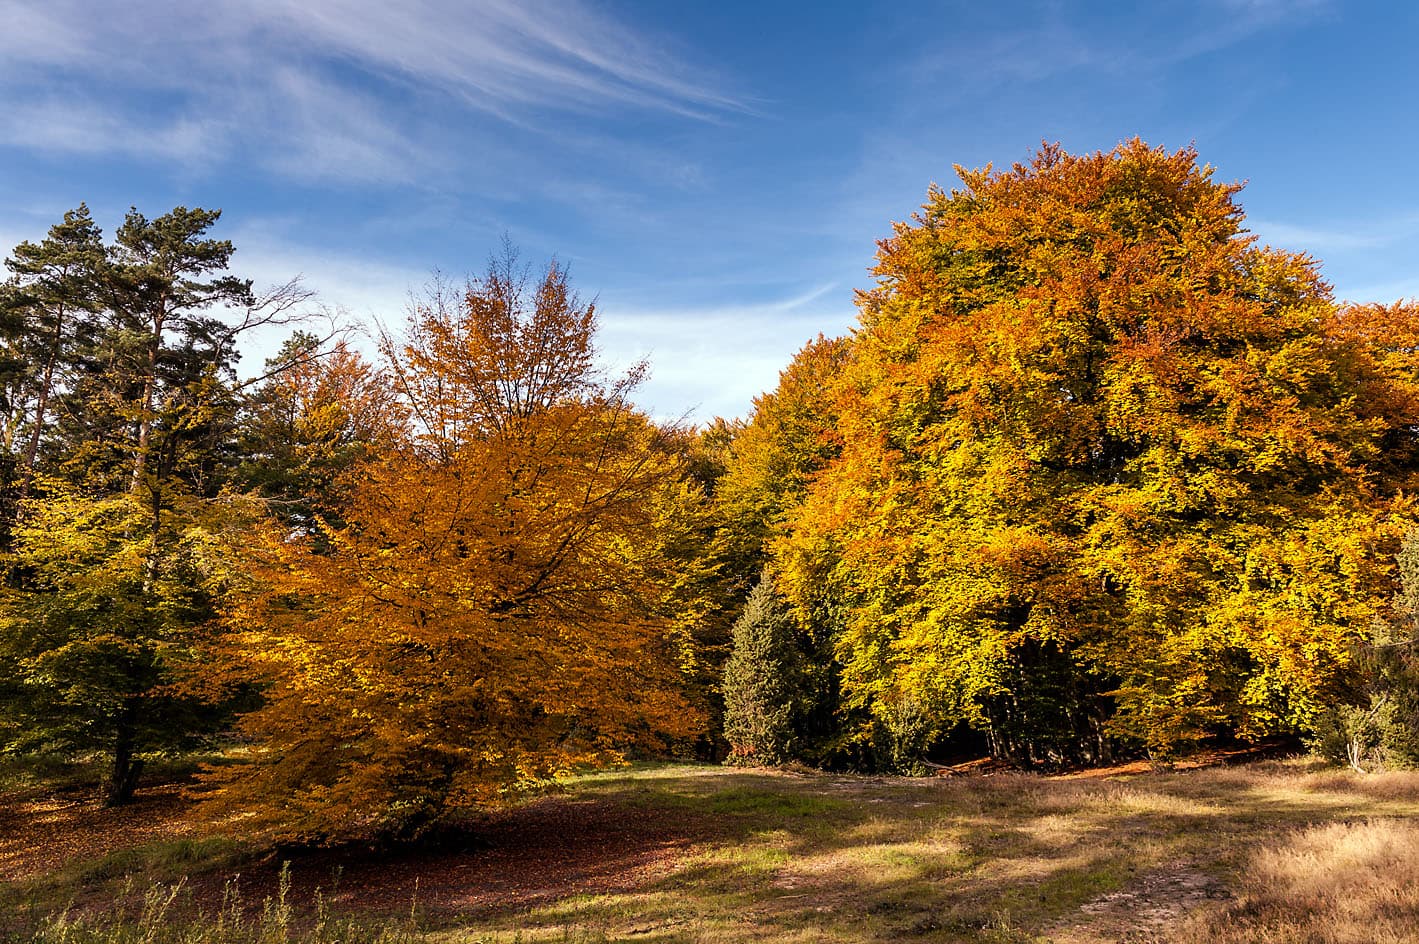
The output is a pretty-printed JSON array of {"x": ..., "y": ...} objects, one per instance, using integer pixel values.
[
  {"x": 123, "y": 776},
  {"x": 155, "y": 530},
  {"x": 145, "y": 416},
  {"x": 42, "y": 406}
]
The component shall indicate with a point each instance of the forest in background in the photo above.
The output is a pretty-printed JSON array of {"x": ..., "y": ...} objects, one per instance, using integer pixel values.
[{"x": 1095, "y": 476}]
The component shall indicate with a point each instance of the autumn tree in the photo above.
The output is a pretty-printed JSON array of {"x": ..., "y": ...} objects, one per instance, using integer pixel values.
[
  {"x": 790, "y": 436},
  {"x": 499, "y": 603},
  {"x": 1109, "y": 468}
]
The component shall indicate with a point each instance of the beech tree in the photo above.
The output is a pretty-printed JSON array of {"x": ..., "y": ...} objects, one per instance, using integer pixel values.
[
  {"x": 498, "y": 604},
  {"x": 791, "y": 435},
  {"x": 1109, "y": 468}
]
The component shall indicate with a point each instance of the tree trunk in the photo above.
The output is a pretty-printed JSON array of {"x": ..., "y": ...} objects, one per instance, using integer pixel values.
[
  {"x": 42, "y": 406},
  {"x": 145, "y": 417},
  {"x": 123, "y": 776}
]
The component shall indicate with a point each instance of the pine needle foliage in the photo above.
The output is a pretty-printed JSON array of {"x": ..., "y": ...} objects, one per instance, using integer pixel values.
[{"x": 764, "y": 681}]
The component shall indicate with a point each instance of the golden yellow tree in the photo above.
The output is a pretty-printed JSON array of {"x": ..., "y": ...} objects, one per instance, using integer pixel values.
[
  {"x": 1104, "y": 454},
  {"x": 790, "y": 437},
  {"x": 499, "y": 605}
]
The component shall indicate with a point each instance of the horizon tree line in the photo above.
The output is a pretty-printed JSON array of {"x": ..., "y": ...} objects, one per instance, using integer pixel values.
[{"x": 1095, "y": 474}]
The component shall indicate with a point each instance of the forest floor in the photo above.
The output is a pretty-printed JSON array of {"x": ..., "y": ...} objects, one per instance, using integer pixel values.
[{"x": 1272, "y": 851}]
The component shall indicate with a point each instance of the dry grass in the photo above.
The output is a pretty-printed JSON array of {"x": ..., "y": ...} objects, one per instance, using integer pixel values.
[
  {"x": 1341, "y": 883},
  {"x": 1275, "y": 851}
]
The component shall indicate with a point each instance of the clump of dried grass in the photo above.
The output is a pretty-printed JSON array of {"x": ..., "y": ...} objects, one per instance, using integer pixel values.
[{"x": 1343, "y": 883}]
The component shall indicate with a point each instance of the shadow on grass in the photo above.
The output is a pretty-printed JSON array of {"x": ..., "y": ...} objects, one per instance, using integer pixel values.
[
  {"x": 706, "y": 854},
  {"x": 1006, "y": 857}
]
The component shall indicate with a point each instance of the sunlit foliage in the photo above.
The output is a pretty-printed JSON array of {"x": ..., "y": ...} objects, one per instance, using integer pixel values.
[
  {"x": 498, "y": 604},
  {"x": 1098, "y": 443}
]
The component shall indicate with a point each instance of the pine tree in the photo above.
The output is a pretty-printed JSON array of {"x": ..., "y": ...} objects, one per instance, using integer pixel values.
[
  {"x": 48, "y": 313},
  {"x": 166, "y": 357},
  {"x": 319, "y": 415},
  {"x": 111, "y": 569},
  {"x": 764, "y": 681}
]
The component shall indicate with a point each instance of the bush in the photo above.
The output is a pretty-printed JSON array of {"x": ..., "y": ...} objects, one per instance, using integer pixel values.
[{"x": 1355, "y": 736}]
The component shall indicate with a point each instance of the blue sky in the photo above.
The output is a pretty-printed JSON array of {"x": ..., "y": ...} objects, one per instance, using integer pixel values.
[{"x": 716, "y": 173}]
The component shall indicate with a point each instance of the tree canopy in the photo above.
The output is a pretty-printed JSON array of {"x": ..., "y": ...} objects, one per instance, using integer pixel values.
[
  {"x": 498, "y": 602},
  {"x": 1095, "y": 472},
  {"x": 1094, "y": 434}
]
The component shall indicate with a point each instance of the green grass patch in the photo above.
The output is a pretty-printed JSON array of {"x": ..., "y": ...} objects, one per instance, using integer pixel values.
[
  {"x": 803, "y": 858},
  {"x": 167, "y": 861}
]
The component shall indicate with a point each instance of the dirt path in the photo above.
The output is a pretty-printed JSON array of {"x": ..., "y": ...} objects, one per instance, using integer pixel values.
[{"x": 1141, "y": 912}]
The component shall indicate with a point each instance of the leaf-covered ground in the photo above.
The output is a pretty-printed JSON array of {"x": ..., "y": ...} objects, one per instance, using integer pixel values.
[{"x": 688, "y": 853}]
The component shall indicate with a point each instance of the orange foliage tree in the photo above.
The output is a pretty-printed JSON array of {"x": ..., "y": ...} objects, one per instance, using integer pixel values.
[
  {"x": 1108, "y": 467},
  {"x": 499, "y": 604}
]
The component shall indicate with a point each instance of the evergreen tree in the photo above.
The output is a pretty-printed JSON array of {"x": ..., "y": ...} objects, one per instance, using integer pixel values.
[
  {"x": 765, "y": 682},
  {"x": 112, "y": 568},
  {"x": 157, "y": 394},
  {"x": 319, "y": 414},
  {"x": 48, "y": 315}
]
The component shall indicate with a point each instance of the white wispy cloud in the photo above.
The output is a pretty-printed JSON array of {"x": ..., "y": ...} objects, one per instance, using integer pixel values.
[
  {"x": 77, "y": 126},
  {"x": 717, "y": 358},
  {"x": 356, "y": 89},
  {"x": 368, "y": 289},
  {"x": 1336, "y": 236},
  {"x": 496, "y": 52}
]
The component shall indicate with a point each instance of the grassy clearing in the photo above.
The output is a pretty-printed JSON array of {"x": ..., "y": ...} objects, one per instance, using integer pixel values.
[
  {"x": 1277, "y": 851},
  {"x": 1356, "y": 883}
]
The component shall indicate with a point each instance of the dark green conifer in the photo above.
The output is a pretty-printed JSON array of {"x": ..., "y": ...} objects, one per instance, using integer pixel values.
[{"x": 764, "y": 681}]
